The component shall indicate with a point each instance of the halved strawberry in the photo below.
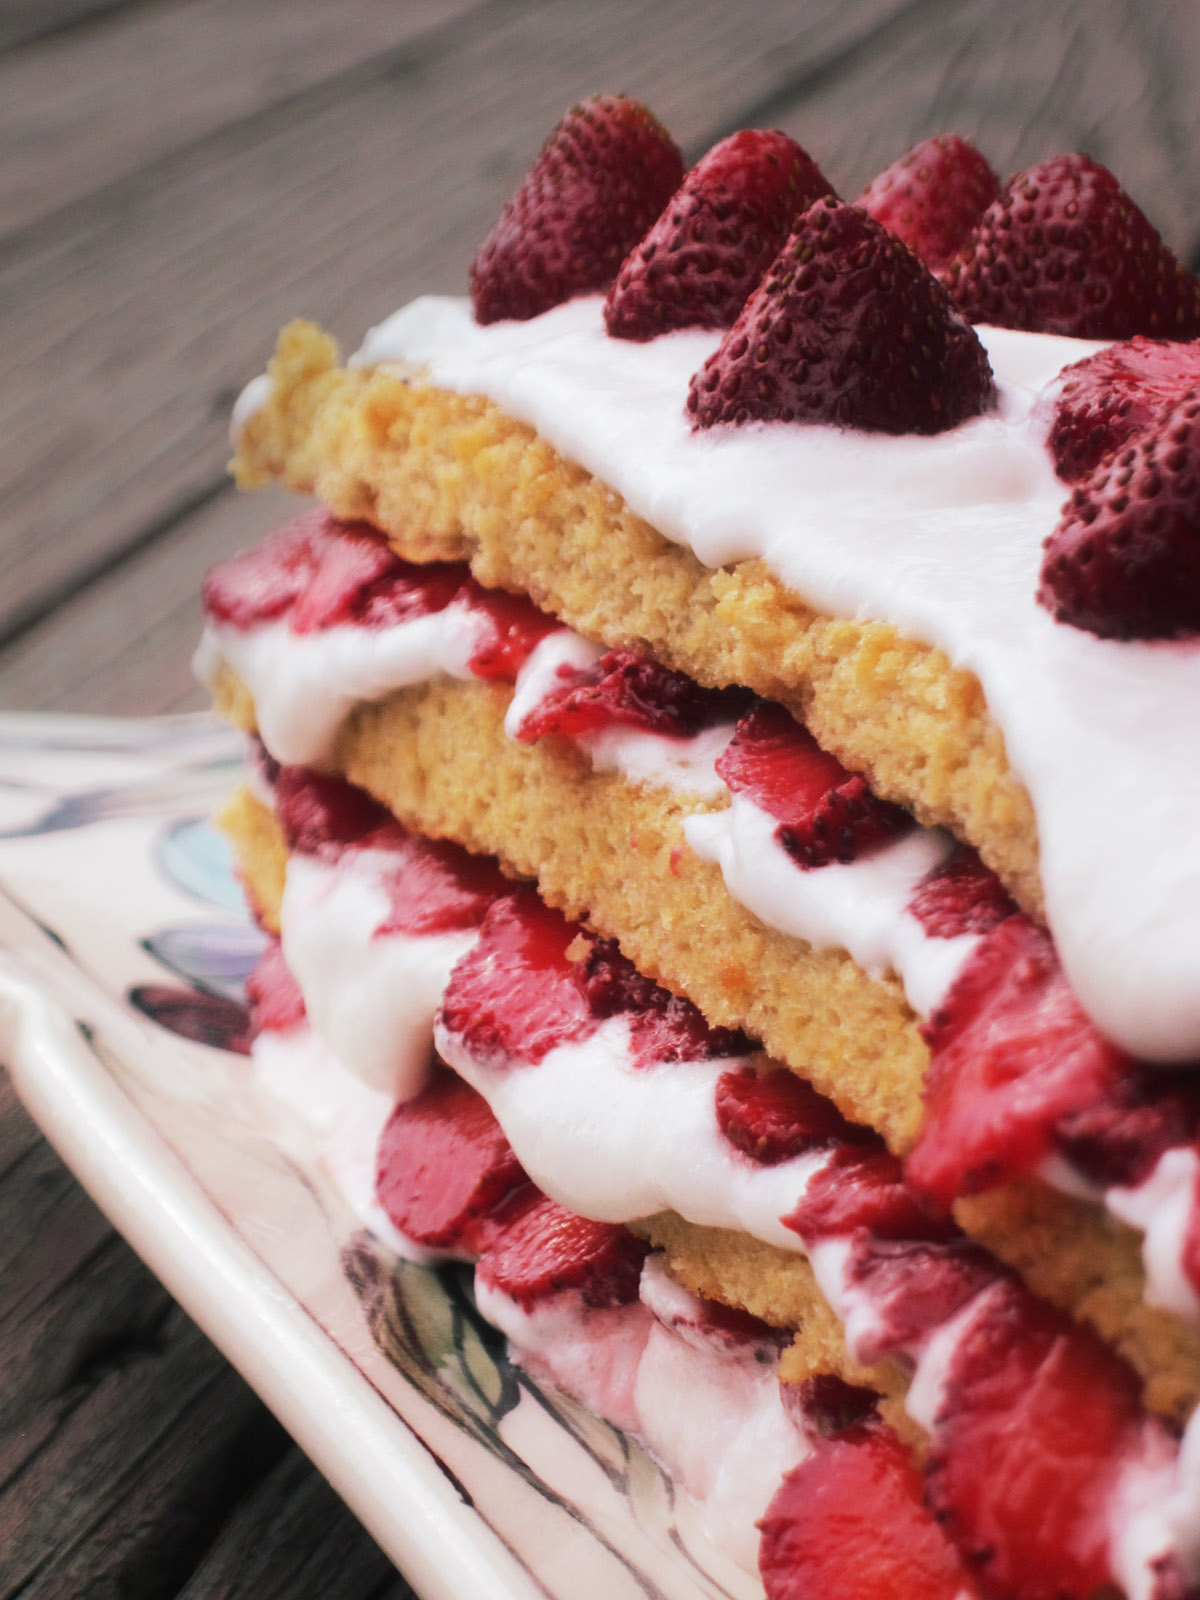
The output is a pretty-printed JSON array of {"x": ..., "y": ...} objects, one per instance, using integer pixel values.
[
  {"x": 847, "y": 327},
  {"x": 959, "y": 896},
  {"x": 664, "y": 1027},
  {"x": 434, "y": 884},
  {"x": 1012, "y": 1052},
  {"x": 627, "y": 690},
  {"x": 602, "y": 177},
  {"x": 1109, "y": 398},
  {"x": 932, "y": 197},
  {"x": 1063, "y": 249},
  {"x": 317, "y": 812},
  {"x": 514, "y": 626},
  {"x": 1036, "y": 1420},
  {"x": 773, "y": 1116},
  {"x": 849, "y": 1523},
  {"x": 276, "y": 1004},
  {"x": 825, "y": 813},
  {"x": 444, "y": 1172},
  {"x": 715, "y": 238},
  {"x": 548, "y": 1250},
  {"x": 1124, "y": 560},
  {"x": 865, "y": 1190}
]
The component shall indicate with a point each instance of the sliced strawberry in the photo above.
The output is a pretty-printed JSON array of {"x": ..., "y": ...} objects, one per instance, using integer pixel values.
[
  {"x": 1036, "y": 1420},
  {"x": 1191, "y": 1238},
  {"x": 849, "y": 1523},
  {"x": 825, "y": 813},
  {"x": 1118, "y": 1140},
  {"x": 515, "y": 996},
  {"x": 932, "y": 197},
  {"x": 1109, "y": 398},
  {"x": 434, "y": 885},
  {"x": 444, "y": 1172},
  {"x": 1065, "y": 250},
  {"x": 548, "y": 1250},
  {"x": 629, "y": 691},
  {"x": 716, "y": 237},
  {"x": 1011, "y": 1052},
  {"x": 914, "y": 1286},
  {"x": 826, "y": 1405},
  {"x": 665, "y": 1027},
  {"x": 514, "y": 627},
  {"x": 959, "y": 896},
  {"x": 317, "y": 812},
  {"x": 263, "y": 583},
  {"x": 1124, "y": 561},
  {"x": 602, "y": 177},
  {"x": 773, "y": 1116},
  {"x": 276, "y": 1004},
  {"x": 864, "y": 1190},
  {"x": 847, "y": 327}
]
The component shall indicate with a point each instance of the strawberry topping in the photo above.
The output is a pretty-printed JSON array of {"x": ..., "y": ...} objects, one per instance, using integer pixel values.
[
  {"x": 847, "y": 327},
  {"x": 1037, "y": 1417},
  {"x": 960, "y": 896},
  {"x": 321, "y": 814},
  {"x": 1109, "y": 398},
  {"x": 434, "y": 885},
  {"x": 1064, "y": 250},
  {"x": 276, "y": 1004},
  {"x": 1011, "y": 1052},
  {"x": 824, "y": 812},
  {"x": 1191, "y": 1239},
  {"x": 826, "y": 1405},
  {"x": 665, "y": 1027},
  {"x": 773, "y": 1116},
  {"x": 1124, "y": 560},
  {"x": 548, "y": 1249},
  {"x": 513, "y": 627},
  {"x": 849, "y": 1523},
  {"x": 445, "y": 1173},
  {"x": 716, "y": 237},
  {"x": 630, "y": 691},
  {"x": 602, "y": 177},
  {"x": 932, "y": 197}
]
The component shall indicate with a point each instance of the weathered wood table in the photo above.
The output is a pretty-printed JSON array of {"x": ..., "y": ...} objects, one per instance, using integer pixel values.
[{"x": 178, "y": 178}]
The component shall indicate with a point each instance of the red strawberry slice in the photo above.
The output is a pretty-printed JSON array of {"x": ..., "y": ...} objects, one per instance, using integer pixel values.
[
  {"x": 1109, "y": 398},
  {"x": 1037, "y": 1418},
  {"x": 444, "y": 1172},
  {"x": 1191, "y": 1238},
  {"x": 914, "y": 1286},
  {"x": 847, "y": 327},
  {"x": 514, "y": 627},
  {"x": 825, "y": 813},
  {"x": 602, "y": 177},
  {"x": 1064, "y": 250},
  {"x": 864, "y": 1191},
  {"x": 1124, "y": 561},
  {"x": 849, "y": 1523},
  {"x": 276, "y": 1004},
  {"x": 825, "y": 1406},
  {"x": 1012, "y": 1052},
  {"x": 716, "y": 237},
  {"x": 960, "y": 896},
  {"x": 434, "y": 885},
  {"x": 548, "y": 1250},
  {"x": 774, "y": 1116},
  {"x": 629, "y": 691},
  {"x": 665, "y": 1027},
  {"x": 932, "y": 197},
  {"x": 516, "y": 995},
  {"x": 323, "y": 814}
]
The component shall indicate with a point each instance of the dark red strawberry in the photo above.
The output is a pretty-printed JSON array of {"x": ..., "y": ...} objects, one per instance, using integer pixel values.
[
  {"x": 716, "y": 237},
  {"x": 1065, "y": 250},
  {"x": 548, "y": 1250},
  {"x": 1109, "y": 398},
  {"x": 913, "y": 1286},
  {"x": 1011, "y": 1052},
  {"x": 850, "y": 1523},
  {"x": 1191, "y": 1239},
  {"x": 276, "y": 1004},
  {"x": 516, "y": 994},
  {"x": 865, "y": 1190},
  {"x": 773, "y": 1116},
  {"x": 444, "y": 1172},
  {"x": 630, "y": 691},
  {"x": 317, "y": 812},
  {"x": 826, "y": 1405},
  {"x": 1119, "y": 1139},
  {"x": 847, "y": 327},
  {"x": 932, "y": 197},
  {"x": 600, "y": 180},
  {"x": 825, "y": 813},
  {"x": 434, "y": 885},
  {"x": 664, "y": 1027},
  {"x": 959, "y": 896},
  {"x": 1124, "y": 561},
  {"x": 1037, "y": 1418},
  {"x": 514, "y": 627}
]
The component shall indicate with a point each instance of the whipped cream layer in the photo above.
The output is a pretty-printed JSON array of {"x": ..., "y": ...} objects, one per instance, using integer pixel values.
[{"x": 942, "y": 537}]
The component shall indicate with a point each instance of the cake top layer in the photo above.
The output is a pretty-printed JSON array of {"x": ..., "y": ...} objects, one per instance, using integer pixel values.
[{"x": 941, "y": 536}]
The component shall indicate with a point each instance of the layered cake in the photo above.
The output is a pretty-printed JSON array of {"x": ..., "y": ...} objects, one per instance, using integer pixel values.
[{"x": 721, "y": 796}]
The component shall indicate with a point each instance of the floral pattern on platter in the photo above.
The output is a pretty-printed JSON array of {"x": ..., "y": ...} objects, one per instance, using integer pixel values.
[{"x": 117, "y": 900}]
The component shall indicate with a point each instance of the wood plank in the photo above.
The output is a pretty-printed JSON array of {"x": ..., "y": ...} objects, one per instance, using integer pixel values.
[
  {"x": 90, "y": 107},
  {"x": 128, "y": 332},
  {"x": 23, "y": 22}
]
